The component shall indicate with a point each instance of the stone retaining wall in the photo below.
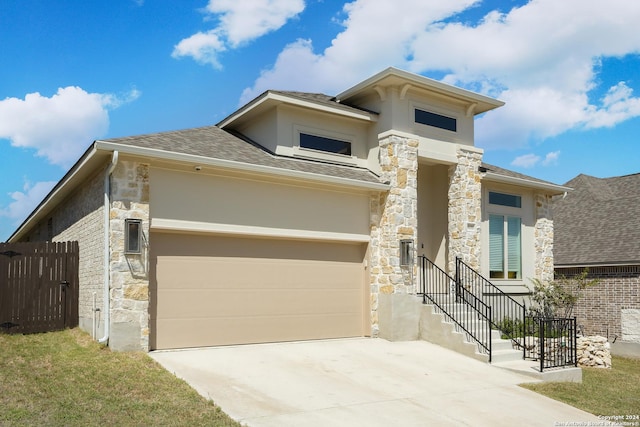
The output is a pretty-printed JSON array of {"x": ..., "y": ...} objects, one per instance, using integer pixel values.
[{"x": 594, "y": 352}]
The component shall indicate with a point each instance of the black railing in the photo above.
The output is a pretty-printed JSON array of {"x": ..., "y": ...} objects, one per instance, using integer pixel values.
[
  {"x": 551, "y": 341},
  {"x": 508, "y": 315},
  {"x": 470, "y": 314}
]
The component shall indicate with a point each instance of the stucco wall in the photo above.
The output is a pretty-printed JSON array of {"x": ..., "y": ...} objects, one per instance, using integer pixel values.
[
  {"x": 202, "y": 198},
  {"x": 433, "y": 186}
]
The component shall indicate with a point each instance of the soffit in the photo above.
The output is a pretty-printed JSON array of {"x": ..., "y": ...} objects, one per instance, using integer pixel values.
[{"x": 403, "y": 80}]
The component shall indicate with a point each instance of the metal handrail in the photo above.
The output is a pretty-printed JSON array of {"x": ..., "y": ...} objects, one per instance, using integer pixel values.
[
  {"x": 508, "y": 314},
  {"x": 554, "y": 342},
  {"x": 468, "y": 312}
]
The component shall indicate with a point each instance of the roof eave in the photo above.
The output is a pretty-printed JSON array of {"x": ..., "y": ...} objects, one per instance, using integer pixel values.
[
  {"x": 480, "y": 103},
  {"x": 553, "y": 189},
  {"x": 240, "y": 166},
  {"x": 57, "y": 193},
  {"x": 270, "y": 97},
  {"x": 597, "y": 264}
]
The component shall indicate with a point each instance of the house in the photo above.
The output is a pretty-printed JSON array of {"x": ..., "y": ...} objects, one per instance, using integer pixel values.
[
  {"x": 299, "y": 216},
  {"x": 597, "y": 227}
]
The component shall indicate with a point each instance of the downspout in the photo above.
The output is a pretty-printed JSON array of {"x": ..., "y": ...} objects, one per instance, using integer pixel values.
[{"x": 107, "y": 210}]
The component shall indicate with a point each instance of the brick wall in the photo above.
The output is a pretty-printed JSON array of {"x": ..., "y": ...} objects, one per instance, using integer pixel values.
[
  {"x": 603, "y": 307},
  {"x": 80, "y": 218}
]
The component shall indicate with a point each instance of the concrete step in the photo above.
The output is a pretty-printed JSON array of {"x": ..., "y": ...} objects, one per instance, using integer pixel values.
[
  {"x": 499, "y": 344},
  {"x": 509, "y": 355},
  {"x": 532, "y": 369}
]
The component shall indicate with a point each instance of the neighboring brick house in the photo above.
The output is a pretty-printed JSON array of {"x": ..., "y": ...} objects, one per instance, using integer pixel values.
[
  {"x": 286, "y": 220},
  {"x": 597, "y": 226}
]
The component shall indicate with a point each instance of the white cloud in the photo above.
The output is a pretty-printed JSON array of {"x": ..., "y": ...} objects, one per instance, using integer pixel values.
[
  {"x": 203, "y": 47},
  {"x": 59, "y": 127},
  {"x": 24, "y": 202},
  {"x": 377, "y": 34},
  {"x": 551, "y": 158},
  {"x": 526, "y": 161},
  {"x": 530, "y": 160},
  {"x": 239, "y": 22},
  {"x": 542, "y": 58}
]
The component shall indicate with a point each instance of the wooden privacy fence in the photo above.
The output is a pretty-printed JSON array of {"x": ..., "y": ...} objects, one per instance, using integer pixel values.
[{"x": 38, "y": 286}]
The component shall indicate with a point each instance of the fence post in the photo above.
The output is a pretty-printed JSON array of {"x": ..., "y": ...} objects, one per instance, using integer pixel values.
[
  {"x": 541, "y": 334},
  {"x": 574, "y": 342},
  {"x": 458, "y": 280}
]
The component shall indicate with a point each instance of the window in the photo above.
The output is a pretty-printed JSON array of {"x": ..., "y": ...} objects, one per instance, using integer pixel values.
[
  {"x": 321, "y": 143},
  {"x": 505, "y": 254},
  {"x": 436, "y": 120},
  {"x": 505, "y": 199}
]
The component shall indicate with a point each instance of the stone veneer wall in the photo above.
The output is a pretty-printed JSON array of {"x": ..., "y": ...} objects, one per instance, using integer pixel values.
[
  {"x": 465, "y": 210},
  {"x": 393, "y": 217},
  {"x": 80, "y": 218},
  {"x": 129, "y": 273},
  {"x": 543, "y": 237},
  {"x": 612, "y": 307}
]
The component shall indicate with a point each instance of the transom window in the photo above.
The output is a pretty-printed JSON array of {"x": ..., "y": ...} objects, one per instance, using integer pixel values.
[
  {"x": 436, "y": 120},
  {"x": 505, "y": 247},
  {"x": 322, "y": 143},
  {"x": 503, "y": 199}
]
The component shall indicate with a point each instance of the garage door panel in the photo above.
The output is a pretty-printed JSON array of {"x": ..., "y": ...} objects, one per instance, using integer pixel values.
[
  {"x": 213, "y": 303},
  {"x": 273, "y": 290},
  {"x": 252, "y": 330},
  {"x": 185, "y": 273}
]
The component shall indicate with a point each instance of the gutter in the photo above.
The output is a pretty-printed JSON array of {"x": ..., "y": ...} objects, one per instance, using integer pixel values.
[
  {"x": 107, "y": 211},
  {"x": 495, "y": 177}
]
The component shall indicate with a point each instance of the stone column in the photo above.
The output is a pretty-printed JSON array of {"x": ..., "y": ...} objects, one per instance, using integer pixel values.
[
  {"x": 129, "y": 272},
  {"x": 543, "y": 236},
  {"x": 465, "y": 210},
  {"x": 393, "y": 218}
]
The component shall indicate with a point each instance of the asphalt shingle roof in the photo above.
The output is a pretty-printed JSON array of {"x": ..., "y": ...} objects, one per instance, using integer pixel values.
[
  {"x": 320, "y": 98},
  {"x": 506, "y": 172},
  {"x": 215, "y": 143},
  {"x": 598, "y": 222}
]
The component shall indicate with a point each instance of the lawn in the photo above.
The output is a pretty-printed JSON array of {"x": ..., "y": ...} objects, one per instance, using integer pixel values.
[
  {"x": 605, "y": 392},
  {"x": 66, "y": 379}
]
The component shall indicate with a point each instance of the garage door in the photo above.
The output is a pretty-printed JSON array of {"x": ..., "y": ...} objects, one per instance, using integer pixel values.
[{"x": 210, "y": 291}]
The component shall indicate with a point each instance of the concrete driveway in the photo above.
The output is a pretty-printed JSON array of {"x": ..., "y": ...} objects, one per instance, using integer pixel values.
[{"x": 362, "y": 382}]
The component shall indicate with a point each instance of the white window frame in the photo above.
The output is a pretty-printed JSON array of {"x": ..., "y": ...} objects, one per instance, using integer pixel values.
[
  {"x": 299, "y": 151},
  {"x": 435, "y": 110},
  {"x": 506, "y": 212}
]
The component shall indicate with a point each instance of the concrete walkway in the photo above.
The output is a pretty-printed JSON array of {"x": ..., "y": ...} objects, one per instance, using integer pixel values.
[{"x": 362, "y": 382}]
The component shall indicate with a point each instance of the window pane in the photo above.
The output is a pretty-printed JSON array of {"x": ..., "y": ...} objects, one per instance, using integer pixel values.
[
  {"x": 325, "y": 144},
  {"x": 514, "y": 258},
  {"x": 435, "y": 120},
  {"x": 496, "y": 246},
  {"x": 505, "y": 199}
]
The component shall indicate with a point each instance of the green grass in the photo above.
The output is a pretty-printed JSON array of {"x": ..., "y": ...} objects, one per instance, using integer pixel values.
[
  {"x": 66, "y": 379},
  {"x": 608, "y": 392}
]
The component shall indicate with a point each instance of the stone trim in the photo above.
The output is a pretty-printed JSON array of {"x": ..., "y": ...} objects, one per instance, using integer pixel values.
[
  {"x": 543, "y": 237},
  {"x": 465, "y": 210},
  {"x": 394, "y": 217},
  {"x": 129, "y": 273}
]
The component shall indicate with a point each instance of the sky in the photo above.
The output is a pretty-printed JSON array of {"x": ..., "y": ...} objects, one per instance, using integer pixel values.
[{"x": 73, "y": 71}]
